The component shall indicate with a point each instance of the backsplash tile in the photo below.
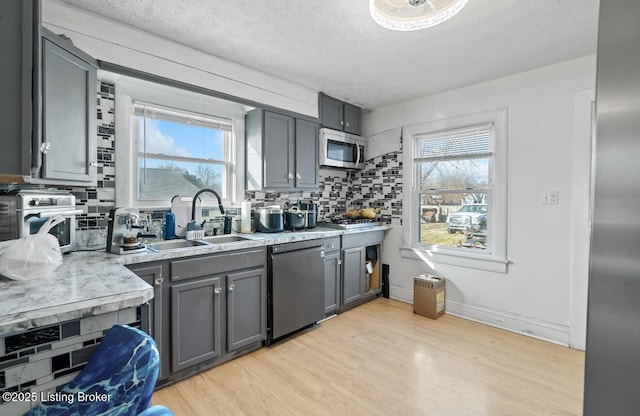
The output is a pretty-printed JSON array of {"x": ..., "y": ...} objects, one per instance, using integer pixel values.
[{"x": 378, "y": 185}]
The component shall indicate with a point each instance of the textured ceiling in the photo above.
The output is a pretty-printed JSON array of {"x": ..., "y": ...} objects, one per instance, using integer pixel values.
[{"x": 334, "y": 46}]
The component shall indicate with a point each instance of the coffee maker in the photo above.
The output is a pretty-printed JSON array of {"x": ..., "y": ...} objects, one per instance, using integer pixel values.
[{"x": 122, "y": 231}]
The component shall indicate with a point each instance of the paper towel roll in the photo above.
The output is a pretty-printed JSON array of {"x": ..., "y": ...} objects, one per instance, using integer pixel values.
[{"x": 245, "y": 217}]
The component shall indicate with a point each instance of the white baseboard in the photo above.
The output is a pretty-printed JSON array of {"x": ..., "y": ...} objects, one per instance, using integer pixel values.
[{"x": 535, "y": 328}]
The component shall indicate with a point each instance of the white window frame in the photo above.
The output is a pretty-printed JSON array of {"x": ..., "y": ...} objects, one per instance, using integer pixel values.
[
  {"x": 128, "y": 91},
  {"x": 184, "y": 116},
  {"x": 494, "y": 258}
]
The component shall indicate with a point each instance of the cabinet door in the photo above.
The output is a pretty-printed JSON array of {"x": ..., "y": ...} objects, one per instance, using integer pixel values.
[
  {"x": 307, "y": 176},
  {"x": 279, "y": 136},
  {"x": 353, "y": 262},
  {"x": 69, "y": 113},
  {"x": 153, "y": 275},
  {"x": 331, "y": 281},
  {"x": 246, "y": 308},
  {"x": 195, "y": 322},
  {"x": 332, "y": 113},
  {"x": 352, "y": 119}
]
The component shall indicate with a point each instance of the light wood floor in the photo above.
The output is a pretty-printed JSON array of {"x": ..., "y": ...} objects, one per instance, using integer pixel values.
[{"x": 381, "y": 359}]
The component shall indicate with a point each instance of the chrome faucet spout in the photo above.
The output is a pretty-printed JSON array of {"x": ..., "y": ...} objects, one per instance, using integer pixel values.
[{"x": 195, "y": 197}]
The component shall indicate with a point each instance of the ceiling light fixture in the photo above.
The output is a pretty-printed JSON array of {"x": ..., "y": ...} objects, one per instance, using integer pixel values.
[{"x": 407, "y": 15}]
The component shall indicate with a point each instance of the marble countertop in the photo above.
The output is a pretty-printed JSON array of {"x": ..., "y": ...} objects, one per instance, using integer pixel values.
[
  {"x": 251, "y": 241},
  {"x": 95, "y": 282}
]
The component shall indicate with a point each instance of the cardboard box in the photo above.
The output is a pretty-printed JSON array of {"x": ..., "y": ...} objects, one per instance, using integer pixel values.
[{"x": 428, "y": 296}]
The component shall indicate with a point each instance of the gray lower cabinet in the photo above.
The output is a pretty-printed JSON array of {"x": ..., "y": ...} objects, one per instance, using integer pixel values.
[
  {"x": 246, "y": 322},
  {"x": 206, "y": 309},
  {"x": 196, "y": 322},
  {"x": 332, "y": 275},
  {"x": 359, "y": 284},
  {"x": 218, "y": 306},
  {"x": 352, "y": 274},
  {"x": 154, "y": 274}
]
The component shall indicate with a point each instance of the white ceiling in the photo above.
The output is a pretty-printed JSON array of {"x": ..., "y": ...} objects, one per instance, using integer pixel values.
[{"x": 334, "y": 46}]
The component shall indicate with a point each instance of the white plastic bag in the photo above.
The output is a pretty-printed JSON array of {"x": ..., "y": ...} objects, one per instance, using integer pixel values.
[{"x": 34, "y": 256}]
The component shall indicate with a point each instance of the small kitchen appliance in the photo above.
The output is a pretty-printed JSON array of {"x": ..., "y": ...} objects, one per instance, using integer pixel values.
[
  {"x": 122, "y": 231},
  {"x": 23, "y": 213},
  {"x": 270, "y": 219},
  {"x": 341, "y": 150}
]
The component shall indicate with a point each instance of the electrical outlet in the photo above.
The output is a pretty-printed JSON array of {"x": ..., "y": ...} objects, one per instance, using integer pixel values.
[{"x": 550, "y": 198}]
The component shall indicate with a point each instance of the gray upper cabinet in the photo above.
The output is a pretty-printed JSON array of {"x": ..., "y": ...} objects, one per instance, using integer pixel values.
[
  {"x": 279, "y": 156},
  {"x": 306, "y": 161},
  {"x": 338, "y": 115},
  {"x": 68, "y": 113},
  {"x": 48, "y": 111},
  {"x": 19, "y": 25},
  {"x": 281, "y": 152}
]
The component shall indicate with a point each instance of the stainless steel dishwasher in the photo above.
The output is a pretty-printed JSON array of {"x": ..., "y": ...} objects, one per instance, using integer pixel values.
[{"x": 295, "y": 287}]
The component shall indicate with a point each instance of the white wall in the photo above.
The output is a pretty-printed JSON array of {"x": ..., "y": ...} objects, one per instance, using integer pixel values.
[
  {"x": 546, "y": 152},
  {"x": 114, "y": 42}
]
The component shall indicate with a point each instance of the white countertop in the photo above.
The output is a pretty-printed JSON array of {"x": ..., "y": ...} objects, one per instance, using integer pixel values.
[{"x": 91, "y": 283}]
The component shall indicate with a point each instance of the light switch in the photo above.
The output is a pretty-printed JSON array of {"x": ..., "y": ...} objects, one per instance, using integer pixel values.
[{"x": 550, "y": 198}]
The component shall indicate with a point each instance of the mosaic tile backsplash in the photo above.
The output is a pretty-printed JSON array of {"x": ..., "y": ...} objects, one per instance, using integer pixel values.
[{"x": 378, "y": 185}]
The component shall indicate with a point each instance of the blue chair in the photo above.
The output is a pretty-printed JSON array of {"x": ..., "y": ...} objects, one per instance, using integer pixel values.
[{"x": 118, "y": 379}]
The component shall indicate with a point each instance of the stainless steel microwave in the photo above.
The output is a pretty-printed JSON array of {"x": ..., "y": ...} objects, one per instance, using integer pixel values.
[{"x": 341, "y": 150}]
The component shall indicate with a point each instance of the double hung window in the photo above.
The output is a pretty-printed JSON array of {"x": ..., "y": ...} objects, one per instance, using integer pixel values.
[
  {"x": 455, "y": 184},
  {"x": 180, "y": 152}
]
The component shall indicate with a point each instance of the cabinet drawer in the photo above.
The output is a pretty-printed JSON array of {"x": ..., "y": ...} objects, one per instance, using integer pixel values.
[
  {"x": 331, "y": 244},
  {"x": 216, "y": 264},
  {"x": 362, "y": 239}
]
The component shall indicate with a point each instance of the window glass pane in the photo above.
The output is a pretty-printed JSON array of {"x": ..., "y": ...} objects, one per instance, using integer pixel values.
[
  {"x": 454, "y": 174},
  {"x": 162, "y": 179},
  {"x": 454, "y": 220},
  {"x": 456, "y": 143},
  {"x": 180, "y": 157},
  {"x": 179, "y": 139}
]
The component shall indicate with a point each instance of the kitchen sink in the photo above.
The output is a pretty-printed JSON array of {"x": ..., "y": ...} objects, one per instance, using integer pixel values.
[
  {"x": 174, "y": 244},
  {"x": 219, "y": 239}
]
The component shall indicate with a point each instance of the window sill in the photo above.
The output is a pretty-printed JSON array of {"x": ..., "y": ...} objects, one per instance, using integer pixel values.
[{"x": 469, "y": 260}]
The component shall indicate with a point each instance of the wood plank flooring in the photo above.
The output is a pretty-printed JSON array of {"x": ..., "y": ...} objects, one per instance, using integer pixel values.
[{"x": 381, "y": 359}]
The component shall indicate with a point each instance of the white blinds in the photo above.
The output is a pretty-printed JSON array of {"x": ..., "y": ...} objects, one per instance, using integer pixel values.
[
  {"x": 464, "y": 143},
  {"x": 153, "y": 111}
]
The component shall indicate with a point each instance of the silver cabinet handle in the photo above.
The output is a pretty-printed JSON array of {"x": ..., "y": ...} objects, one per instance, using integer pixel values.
[
  {"x": 290, "y": 175},
  {"x": 231, "y": 287},
  {"x": 331, "y": 245},
  {"x": 45, "y": 147},
  {"x": 342, "y": 122},
  {"x": 93, "y": 164},
  {"x": 347, "y": 124},
  {"x": 159, "y": 281},
  {"x": 339, "y": 262},
  {"x": 298, "y": 176},
  {"x": 217, "y": 290}
]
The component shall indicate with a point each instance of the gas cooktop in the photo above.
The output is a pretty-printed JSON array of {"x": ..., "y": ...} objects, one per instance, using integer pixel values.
[{"x": 350, "y": 223}]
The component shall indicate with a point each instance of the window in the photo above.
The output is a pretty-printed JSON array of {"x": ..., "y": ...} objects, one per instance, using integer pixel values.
[
  {"x": 455, "y": 190},
  {"x": 180, "y": 152},
  {"x": 454, "y": 178}
]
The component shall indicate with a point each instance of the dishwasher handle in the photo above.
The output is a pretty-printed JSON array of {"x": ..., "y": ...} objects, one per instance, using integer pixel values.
[{"x": 301, "y": 245}]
